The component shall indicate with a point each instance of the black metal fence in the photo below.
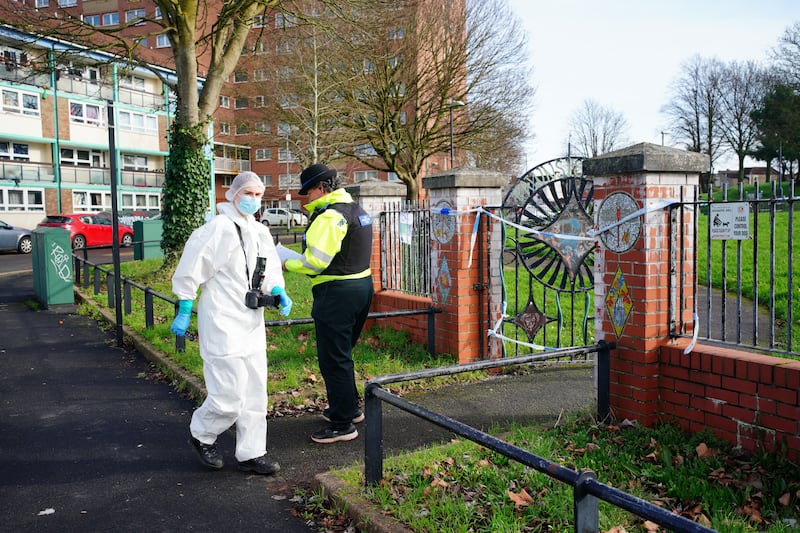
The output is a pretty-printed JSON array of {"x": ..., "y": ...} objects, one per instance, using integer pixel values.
[
  {"x": 587, "y": 490},
  {"x": 744, "y": 290},
  {"x": 405, "y": 233},
  {"x": 99, "y": 277}
]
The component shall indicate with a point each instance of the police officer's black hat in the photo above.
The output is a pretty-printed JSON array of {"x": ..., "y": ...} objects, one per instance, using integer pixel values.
[{"x": 313, "y": 174}]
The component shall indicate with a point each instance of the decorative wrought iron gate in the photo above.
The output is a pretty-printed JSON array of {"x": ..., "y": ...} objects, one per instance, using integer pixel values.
[{"x": 548, "y": 259}]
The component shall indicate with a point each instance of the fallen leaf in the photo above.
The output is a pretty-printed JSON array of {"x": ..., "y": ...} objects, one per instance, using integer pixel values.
[
  {"x": 701, "y": 450},
  {"x": 785, "y": 499},
  {"x": 650, "y": 526},
  {"x": 520, "y": 499},
  {"x": 47, "y": 511}
]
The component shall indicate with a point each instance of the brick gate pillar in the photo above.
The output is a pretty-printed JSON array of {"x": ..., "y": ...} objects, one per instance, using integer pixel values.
[
  {"x": 632, "y": 265},
  {"x": 374, "y": 196},
  {"x": 469, "y": 307}
]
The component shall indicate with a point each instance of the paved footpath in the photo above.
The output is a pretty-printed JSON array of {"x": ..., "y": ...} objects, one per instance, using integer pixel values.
[{"x": 92, "y": 440}]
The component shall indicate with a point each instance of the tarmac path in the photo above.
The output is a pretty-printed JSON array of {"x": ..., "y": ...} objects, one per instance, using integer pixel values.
[{"x": 91, "y": 439}]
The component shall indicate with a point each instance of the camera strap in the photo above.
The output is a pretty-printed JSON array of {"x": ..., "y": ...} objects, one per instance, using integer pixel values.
[{"x": 246, "y": 268}]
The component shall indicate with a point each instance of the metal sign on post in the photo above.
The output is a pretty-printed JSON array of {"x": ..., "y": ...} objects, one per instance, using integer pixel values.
[{"x": 729, "y": 221}]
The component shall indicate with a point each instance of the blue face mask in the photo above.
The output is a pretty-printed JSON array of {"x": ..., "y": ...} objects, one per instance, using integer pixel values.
[{"x": 248, "y": 205}]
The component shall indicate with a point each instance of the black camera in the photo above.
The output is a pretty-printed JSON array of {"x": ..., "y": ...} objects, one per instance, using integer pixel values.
[{"x": 254, "y": 297}]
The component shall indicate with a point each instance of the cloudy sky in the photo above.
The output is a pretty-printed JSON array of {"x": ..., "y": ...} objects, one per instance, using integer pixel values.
[{"x": 625, "y": 53}]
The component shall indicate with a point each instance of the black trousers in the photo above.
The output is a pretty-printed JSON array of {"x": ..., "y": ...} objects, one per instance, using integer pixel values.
[{"x": 339, "y": 311}]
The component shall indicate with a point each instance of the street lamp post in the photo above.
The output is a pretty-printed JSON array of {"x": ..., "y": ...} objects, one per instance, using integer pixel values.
[{"x": 450, "y": 106}]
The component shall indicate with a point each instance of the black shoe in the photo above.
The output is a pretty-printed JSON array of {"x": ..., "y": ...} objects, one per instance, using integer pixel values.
[
  {"x": 260, "y": 465},
  {"x": 357, "y": 419},
  {"x": 208, "y": 453},
  {"x": 329, "y": 435}
]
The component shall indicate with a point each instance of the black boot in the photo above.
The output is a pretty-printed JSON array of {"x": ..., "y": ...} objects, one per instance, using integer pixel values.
[
  {"x": 260, "y": 465},
  {"x": 208, "y": 453}
]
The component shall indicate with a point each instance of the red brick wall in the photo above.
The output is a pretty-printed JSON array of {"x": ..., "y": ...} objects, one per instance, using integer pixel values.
[
  {"x": 748, "y": 399},
  {"x": 415, "y": 325}
]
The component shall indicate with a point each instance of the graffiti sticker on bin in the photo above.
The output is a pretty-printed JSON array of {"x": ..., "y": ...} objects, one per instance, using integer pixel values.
[{"x": 60, "y": 260}]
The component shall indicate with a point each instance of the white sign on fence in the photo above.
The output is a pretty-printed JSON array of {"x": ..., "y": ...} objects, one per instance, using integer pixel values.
[{"x": 730, "y": 221}]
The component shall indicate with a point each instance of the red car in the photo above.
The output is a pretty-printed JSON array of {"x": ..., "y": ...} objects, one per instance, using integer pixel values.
[{"x": 88, "y": 229}]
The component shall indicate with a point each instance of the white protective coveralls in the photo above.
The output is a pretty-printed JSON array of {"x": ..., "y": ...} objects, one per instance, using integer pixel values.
[{"x": 233, "y": 340}]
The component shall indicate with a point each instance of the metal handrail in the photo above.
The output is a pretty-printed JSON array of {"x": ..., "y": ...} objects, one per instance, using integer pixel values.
[{"x": 587, "y": 490}]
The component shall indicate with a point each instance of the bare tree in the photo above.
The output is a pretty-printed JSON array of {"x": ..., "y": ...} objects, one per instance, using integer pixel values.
[
  {"x": 786, "y": 56},
  {"x": 391, "y": 81},
  {"x": 206, "y": 39},
  {"x": 694, "y": 108},
  {"x": 742, "y": 89},
  {"x": 596, "y": 129}
]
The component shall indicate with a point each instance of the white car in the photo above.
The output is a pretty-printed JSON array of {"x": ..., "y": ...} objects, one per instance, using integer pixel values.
[{"x": 280, "y": 216}]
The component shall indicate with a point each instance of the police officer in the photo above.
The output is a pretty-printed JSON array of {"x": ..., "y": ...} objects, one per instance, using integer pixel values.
[{"x": 336, "y": 255}]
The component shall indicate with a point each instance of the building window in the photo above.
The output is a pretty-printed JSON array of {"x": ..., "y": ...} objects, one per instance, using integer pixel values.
[
  {"x": 260, "y": 74},
  {"x": 21, "y": 199},
  {"x": 259, "y": 101},
  {"x": 240, "y": 103},
  {"x": 158, "y": 15},
  {"x": 365, "y": 150},
  {"x": 225, "y": 128},
  {"x": 135, "y": 16},
  {"x": 287, "y": 181},
  {"x": 392, "y": 176},
  {"x": 82, "y": 113},
  {"x": 283, "y": 47},
  {"x": 132, "y": 82},
  {"x": 242, "y": 128},
  {"x": 92, "y": 20},
  {"x": 288, "y": 101},
  {"x": 364, "y": 175},
  {"x": 259, "y": 21},
  {"x": 42, "y": 3},
  {"x": 284, "y": 21},
  {"x": 396, "y": 34},
  {"x": 284, "y": 129},
  {"x": 267, "y": 179},
  {"x": 162, "y": 41},
  {"x": 110, "y": 19},
  {"x": 67, "y": 3},
  {"x": 14, "y": 151},
  {"x": 263, "y": 154},
  {"x": 134, "y": 162},
  {"x": 20, "y": 102},
  {"x": 141, "y": 201},
  {"x": 225, "y": 101},
  {"x": 262, "y": 47},
  {"x": 93, "y": 201},
  {"x": 140, "y": 122},
  {"x": 261, "y": 126},
  {"x": 240, "y": 76},
  {"x": 286, "y": 156},
  {"x": 79, "y": 158}
]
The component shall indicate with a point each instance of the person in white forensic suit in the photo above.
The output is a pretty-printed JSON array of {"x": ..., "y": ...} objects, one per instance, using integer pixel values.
[{"x": 221, "y": 259}]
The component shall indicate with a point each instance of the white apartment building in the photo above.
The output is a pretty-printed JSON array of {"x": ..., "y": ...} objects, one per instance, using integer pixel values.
[{"x": 56, "y": 153}]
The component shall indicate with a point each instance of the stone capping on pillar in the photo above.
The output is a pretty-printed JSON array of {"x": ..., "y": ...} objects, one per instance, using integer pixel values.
[
  {"x": 646, "y": 157},
  {"x": 464, "y": 177},
  {"x": 374, "y": 187}
]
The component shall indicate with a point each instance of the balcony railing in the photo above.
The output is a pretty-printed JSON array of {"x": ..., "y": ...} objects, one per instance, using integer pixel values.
[
  {"x": 225, "y": 164},
  {"x": 23, "y": 171}
]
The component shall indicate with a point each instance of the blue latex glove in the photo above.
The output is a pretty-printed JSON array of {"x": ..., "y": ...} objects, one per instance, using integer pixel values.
[
  {"x": 284, "y": 302},
  {"x": 182, "y": 319}
]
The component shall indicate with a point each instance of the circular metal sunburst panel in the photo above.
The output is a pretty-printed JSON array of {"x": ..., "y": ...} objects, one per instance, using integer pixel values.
[
  {"x": 539, "y": 176},
  {"x": 559, "y": 208}
]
